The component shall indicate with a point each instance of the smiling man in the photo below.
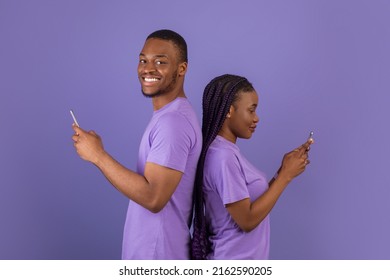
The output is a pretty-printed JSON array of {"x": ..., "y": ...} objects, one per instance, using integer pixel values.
[{"x": 160, "y": 191}]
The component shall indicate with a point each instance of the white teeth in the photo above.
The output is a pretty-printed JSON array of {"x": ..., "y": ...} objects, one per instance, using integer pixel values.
[{"x": 150, "y": 79}]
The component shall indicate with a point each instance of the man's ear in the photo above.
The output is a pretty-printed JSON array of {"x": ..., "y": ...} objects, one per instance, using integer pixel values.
[{"x": 182, "y": 69}]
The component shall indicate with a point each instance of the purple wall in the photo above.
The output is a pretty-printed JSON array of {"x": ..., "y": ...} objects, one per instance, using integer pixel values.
[{"x": 317, "y": 65}]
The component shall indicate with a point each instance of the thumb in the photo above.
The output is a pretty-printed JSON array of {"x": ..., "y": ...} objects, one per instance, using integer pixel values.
[
  {"x": 306, "y": 146},
  {"x": 78, "y": 130}
]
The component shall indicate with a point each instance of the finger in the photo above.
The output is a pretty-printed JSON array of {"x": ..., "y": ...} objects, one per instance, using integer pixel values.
[
  {"x": 306, "y": 146},
  {"x": 76, "y": 138},
  {"x": 302, "y": 150},
  {"x": 92, "y": 132},
  {"x": 77, "y": 129}
]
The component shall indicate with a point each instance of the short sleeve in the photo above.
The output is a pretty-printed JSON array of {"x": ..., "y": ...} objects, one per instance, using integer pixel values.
[
  {"x": 227, "y": 177},
  {"x": 171, "y": 141}
]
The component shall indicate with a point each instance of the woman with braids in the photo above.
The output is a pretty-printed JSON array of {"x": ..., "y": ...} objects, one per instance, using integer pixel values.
[{"x": 232, "y": 197}]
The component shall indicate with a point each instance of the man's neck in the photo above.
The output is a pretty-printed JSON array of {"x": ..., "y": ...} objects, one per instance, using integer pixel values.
[{"x": 160, "y": 101}]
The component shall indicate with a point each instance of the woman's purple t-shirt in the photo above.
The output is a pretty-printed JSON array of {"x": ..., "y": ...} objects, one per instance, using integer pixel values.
[
  {"x": 228, "y": 178},
  {"x": 172, "y": 139}
]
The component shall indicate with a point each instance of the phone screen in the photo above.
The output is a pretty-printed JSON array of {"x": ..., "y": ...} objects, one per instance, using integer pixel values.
[{"x": 74, "y": 118}]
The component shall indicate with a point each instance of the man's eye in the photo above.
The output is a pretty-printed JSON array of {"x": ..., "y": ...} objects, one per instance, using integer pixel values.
[
  {"x": 142, "y": 61},
  {"x": 160, "y": 62}
]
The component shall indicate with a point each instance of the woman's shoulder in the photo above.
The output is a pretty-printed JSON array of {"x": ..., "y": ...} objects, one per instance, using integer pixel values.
[{"x": 221, "y": 151}]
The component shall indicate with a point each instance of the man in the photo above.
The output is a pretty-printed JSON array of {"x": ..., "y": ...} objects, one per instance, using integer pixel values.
[{"x": 160, "y": 192}]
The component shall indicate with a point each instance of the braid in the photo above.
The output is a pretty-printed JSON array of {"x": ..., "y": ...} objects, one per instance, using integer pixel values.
[{"x": 218, "y": 96}]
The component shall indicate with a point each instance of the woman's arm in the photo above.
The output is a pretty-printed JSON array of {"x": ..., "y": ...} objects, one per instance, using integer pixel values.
[{"x": 249, "y": 215}]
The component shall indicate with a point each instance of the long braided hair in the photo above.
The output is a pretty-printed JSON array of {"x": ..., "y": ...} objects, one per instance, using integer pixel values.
[{"x": 218, "y": 96}]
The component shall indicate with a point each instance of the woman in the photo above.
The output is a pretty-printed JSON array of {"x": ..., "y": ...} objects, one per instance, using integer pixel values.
[{"x": 233, "y": 198}]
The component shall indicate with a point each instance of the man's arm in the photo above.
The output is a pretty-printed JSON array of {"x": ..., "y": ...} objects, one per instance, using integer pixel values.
[{"x": 152, "y": 190}]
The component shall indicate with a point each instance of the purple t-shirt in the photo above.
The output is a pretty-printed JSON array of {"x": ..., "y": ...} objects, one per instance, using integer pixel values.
[
  {"x": 228, "y": 178},
  {"x": 172, "y": 139}
]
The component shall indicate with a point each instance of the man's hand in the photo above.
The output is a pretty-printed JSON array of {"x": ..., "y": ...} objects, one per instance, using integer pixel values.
[{"x": 88, "y": 144}]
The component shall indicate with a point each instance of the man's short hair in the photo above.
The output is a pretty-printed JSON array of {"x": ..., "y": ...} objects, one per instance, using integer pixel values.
[{"x": 175, "y": 38}]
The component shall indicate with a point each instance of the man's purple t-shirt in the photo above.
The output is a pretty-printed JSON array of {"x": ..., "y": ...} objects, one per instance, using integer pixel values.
[
  {"x": 172, "y": 139},
  {"x": 228, "y": 178}
]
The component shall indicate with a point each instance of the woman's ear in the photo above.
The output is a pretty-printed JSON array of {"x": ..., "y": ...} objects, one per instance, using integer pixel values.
[{"x": 231, "y": 110}]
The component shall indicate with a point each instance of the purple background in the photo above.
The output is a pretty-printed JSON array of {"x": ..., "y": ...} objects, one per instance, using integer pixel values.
[{"x": 317, "y": 65}]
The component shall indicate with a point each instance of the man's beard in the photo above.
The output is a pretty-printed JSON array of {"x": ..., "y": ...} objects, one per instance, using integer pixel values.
[{"x": 163, "y": 91}]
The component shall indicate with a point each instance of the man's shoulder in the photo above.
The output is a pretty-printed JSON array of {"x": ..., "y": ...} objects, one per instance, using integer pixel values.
[
  {"x": 175, "y": 125},
  {"x": 182, "y": 113},
  {"x": 175, "y": 118}
]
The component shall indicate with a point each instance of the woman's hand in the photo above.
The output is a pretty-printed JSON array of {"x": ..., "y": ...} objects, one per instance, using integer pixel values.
[{"x": 295, "y": 162}]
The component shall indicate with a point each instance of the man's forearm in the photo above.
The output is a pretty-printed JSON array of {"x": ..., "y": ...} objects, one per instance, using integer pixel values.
[{"x": 128, "y": 182}]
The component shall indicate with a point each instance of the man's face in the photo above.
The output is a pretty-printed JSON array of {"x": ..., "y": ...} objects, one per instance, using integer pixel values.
[{"x": 158, "y": 67}]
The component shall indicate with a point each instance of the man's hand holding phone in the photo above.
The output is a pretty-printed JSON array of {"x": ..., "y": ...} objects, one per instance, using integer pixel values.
[{"x": 88, "y": 144}]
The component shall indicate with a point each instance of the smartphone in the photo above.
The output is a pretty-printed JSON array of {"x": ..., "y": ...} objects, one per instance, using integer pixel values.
[
  {"x": 310, "y": 135},
  {"x": 74, "y": 118}
]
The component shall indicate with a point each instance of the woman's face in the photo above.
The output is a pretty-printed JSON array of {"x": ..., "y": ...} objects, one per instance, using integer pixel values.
[{"x": 242, "y": 117}]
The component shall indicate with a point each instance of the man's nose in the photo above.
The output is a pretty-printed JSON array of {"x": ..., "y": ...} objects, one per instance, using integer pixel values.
[{"x": 148, "y": 67}]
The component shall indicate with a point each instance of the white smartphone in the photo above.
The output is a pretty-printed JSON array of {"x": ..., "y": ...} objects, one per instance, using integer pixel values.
[{"x": 74, "y": 118}]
